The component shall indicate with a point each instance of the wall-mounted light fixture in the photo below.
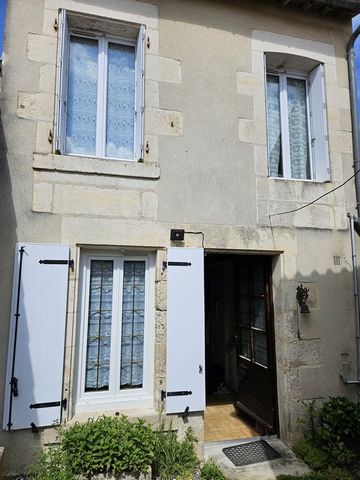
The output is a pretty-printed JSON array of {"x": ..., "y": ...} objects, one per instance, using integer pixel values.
[
  {"x": 302, "y": 295},
  {"x": 177, "y": 235}
]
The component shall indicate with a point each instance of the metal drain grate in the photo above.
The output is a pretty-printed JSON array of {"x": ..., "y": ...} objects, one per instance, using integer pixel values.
[{"x": 252, "y": 452}]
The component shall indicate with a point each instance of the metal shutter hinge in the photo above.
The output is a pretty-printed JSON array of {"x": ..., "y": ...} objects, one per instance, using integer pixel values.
[{"x": 58, "y": 262}]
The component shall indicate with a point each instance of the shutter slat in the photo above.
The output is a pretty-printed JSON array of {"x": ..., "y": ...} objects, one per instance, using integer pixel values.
[
  {"x": 185, "y": 369},
  {"x": 319, "y": 132},
  {"x": 40, "y": 337}
]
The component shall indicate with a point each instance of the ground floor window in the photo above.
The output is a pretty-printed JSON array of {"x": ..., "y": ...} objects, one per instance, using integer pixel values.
[{"x": 115, "y": 328}]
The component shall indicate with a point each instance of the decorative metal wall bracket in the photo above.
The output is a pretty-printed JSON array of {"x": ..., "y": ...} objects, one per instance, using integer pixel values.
[{"x": 302, "y": 295}]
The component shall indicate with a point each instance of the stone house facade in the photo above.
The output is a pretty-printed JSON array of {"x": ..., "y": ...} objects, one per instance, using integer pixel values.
[{"x": 125, "y": 122}]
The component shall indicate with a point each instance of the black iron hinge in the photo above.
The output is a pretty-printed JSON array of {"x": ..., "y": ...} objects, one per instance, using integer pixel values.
[
  {"x": 176, "y": 264},
  {"x": 58, "y": 262},
  {"x": 180, "y": 393},
  {"x": 63, "y": 404}
]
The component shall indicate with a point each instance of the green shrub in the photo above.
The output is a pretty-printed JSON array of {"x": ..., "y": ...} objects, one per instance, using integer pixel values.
[
  {"x": 174, "y": 457},
  {"x": 312, "y": 455},
  {"x": 328, "y": 474},
  {"x": 340, "y": 425},
  {"x": 51, "y": 465},
  {"x": 211, "y": 471},
  {"x": 108, "y": 444}
]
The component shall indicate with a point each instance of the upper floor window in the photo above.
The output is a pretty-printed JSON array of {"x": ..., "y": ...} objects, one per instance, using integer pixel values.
[
  {"x": 100, "y": 88},
  {"x": 296, "y": 119}
]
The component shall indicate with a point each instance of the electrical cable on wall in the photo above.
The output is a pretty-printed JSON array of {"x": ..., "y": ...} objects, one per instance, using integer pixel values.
[{"x": 316, "y": 199}]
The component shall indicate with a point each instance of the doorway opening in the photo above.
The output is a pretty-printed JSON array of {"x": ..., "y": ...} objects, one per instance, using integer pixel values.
[{"x": 239, "y": 347}]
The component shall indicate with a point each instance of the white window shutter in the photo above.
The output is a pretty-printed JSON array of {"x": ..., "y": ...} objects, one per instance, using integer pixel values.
[
  {"x": 185, "y": 350},
  {"x": 61, "y": 83},
  {"x": 36, "y": 341},
  {"x": 139, "y": 95},
  {"x": 319, "y": 132}
]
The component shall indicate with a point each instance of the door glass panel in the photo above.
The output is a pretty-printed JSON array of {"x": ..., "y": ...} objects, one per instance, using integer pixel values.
[
  {"x": 120, "y": 102},
  {"x": 245, "y": 343},
  {"x": 259, "y": 320},
  {"x": 99, "y": 326},
  {"x": 259, "y": 282},
  {"x": 260, "y": 348},
  {"x": 244, "y": 283},
  {"x": 82, "y": 96},
  {"x": 132, "y": 335},
  {"x": 244, "y": 311}
]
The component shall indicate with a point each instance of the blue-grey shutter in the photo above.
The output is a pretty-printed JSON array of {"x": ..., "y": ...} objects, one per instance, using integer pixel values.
[
  {"x": 36, "y": 336},
  {"x": 185, "y": 349},
  {"x": 318, "y": 127}
]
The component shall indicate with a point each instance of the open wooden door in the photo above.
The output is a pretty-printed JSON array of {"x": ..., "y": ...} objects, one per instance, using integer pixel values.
[{"x": 255, "y": 341}]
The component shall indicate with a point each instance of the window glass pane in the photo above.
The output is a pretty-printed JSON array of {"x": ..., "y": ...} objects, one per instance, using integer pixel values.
[
  {"x": 260, "y": 348},
  {"x": 99, "y": 326},
  {"x": 245, "y": 349},
  {"x": 298, "y": 128},
  {"x": 120, "y": 102},
  {"x": 82, "y": 95},
  {"x": 273, "y": 125},
  {"x": 132, "y": 334}
]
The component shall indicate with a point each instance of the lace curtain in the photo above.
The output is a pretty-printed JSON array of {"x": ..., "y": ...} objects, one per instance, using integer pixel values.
[
  {"x": 274, "y": 126},
  {"x": 298, "y": 128},
  {"x": 120, "y": 102},
  {"x": 82, "y": 95},
  {"x": 296, "y": 125},
  {"x": 99, "y": 341},
  {"x": 118, "y": 97}
]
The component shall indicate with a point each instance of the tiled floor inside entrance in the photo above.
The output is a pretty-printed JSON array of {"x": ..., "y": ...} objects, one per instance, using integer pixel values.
[{"x": 222, "y": 423}]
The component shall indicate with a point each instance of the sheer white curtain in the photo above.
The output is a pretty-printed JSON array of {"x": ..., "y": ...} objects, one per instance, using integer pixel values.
[
  {"x": 287, "y": 126},
  {"x": 100, "y": 318}
]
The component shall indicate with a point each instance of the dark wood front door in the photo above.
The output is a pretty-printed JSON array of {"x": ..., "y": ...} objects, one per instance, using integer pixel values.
[{"x": 255, "y": 341}]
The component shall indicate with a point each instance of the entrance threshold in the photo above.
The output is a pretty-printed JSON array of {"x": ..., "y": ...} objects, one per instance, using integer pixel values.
[{"x": 224, "y": 422}]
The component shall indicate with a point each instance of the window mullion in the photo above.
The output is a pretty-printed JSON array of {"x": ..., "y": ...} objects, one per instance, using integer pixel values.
[
  {"x": 101, "y": 97},
  {"x": 117, "y": 365},
  {"x": 114, "y": 328},
  {"x": 284, "y": 119}
]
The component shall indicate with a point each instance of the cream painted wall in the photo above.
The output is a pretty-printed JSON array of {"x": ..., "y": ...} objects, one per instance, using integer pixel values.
[{"x": 205, "y": 170}]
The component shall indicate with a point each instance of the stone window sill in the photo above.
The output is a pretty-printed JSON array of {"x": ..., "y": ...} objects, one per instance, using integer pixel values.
[{"x": 95, "y": 166}]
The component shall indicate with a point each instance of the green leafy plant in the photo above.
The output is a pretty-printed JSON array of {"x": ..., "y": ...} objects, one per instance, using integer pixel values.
[
  {"x": 310, "y": 422},
  {"x": 331, "y": 443},
  {"x": 108, "y": 444},
  {"x": 51, "y": 465},
  {"x": 175, "y": 458},
  {"x": 313, "y": 455},
  {"x": 340, "y": 418},
  {"x": 211, "y": 471}
]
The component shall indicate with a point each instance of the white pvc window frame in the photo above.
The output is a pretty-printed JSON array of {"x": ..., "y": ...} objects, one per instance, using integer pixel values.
[
  {"x": 62, "y": 89},
  {"x": 284, "y": 125},
  {"x": 115, "y": 397}
]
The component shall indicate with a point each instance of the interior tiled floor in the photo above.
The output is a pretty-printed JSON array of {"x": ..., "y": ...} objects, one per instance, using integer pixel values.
[{"x": 222, "y": 423}]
